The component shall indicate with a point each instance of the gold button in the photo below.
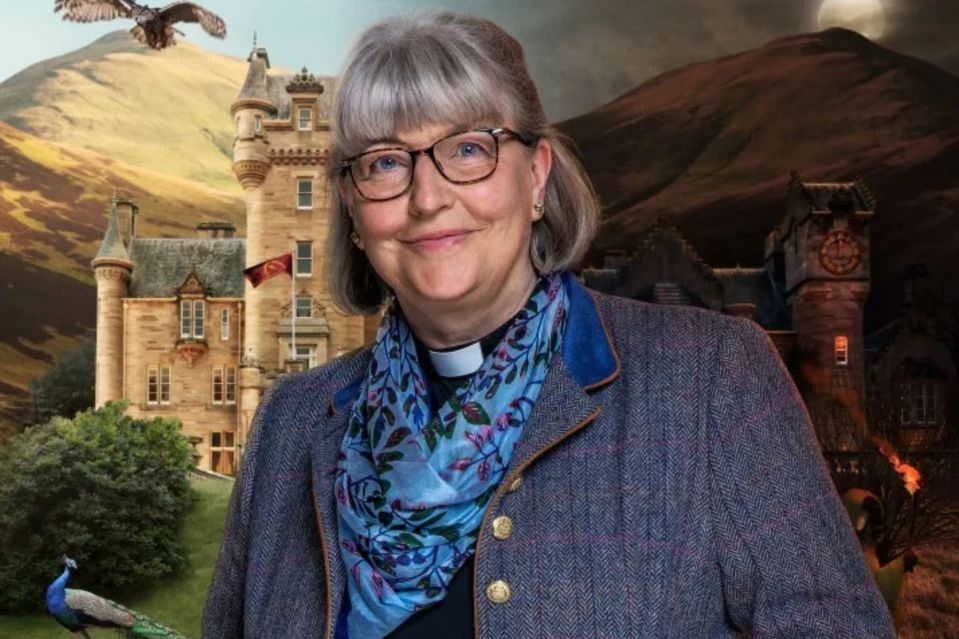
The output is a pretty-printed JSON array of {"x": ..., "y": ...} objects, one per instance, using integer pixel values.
[
  {"x": 498, "y": 592},
  {"x": 515, "y": 484},
  {"x": 502, "y": 527}
]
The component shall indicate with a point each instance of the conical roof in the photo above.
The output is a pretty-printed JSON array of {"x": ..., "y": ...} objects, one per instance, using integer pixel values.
[{"x": 112, "y": 248}]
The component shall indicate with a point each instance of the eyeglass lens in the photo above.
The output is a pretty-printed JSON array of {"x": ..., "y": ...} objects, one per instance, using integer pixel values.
[{"x": 461, "y": 158}]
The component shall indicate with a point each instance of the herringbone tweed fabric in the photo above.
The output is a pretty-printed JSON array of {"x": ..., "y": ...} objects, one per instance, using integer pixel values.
[{"x": 687, "y": 498}]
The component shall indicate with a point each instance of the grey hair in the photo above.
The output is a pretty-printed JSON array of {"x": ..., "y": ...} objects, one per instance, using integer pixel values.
[{"x": 443, "y": 67}]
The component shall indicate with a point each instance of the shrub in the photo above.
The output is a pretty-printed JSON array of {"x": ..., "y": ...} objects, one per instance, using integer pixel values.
[
  {"x": 108, "y": 490},
  {"x": 68, "y": 386}
]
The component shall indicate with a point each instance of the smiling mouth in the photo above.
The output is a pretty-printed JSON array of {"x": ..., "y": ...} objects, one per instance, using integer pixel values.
[{"x": 440, "y": 240}]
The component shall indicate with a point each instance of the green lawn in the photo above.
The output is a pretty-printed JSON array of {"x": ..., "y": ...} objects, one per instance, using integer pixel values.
[{"x": 178, "y": 601}]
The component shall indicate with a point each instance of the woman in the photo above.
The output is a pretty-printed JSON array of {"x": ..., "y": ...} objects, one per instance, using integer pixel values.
[{"x": 516, "y": 456}]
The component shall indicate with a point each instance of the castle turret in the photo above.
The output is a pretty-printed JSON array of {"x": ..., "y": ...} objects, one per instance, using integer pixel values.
[
  {"x": 112, "y": 268},
  {"x": 250, "y": 109}
]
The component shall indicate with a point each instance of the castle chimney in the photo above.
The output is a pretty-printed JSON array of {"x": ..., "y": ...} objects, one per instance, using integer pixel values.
[
  {"x": 127, "y": 212},
  {"x": 215, "y": 230}
]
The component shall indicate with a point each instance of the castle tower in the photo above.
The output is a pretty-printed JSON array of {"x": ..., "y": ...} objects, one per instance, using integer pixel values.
[
  {"x": 279, "y": 157},
  {"x": 824, "y": 256},
  {"x": 112, "y": 268}
]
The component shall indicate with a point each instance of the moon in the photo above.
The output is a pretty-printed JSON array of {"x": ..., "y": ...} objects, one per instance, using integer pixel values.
[{"x": 865, "y": 16}]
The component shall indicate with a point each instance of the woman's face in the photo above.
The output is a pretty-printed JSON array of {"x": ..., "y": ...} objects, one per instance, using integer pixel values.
[{"x": 445, "y": 242}]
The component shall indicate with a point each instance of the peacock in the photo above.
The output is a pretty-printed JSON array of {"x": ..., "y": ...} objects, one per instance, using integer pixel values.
[{"x": 77, "y": 610}]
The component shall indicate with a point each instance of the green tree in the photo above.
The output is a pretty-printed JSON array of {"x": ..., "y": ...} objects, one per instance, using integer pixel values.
[
  {"x": 68, "y": 386},
  {"x": 108, "y": 490}
]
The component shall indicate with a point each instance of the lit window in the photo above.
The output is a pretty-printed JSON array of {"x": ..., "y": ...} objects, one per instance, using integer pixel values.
[
  {"x": 304, "y": 118},
  {"x": 158, "y": 385},
  {"x": 222, "y": 452},
  {"x": 224, "y": 385},
  {"x": 304, "y": 193},
  {"x": 306, "y": 354},
  {"x": 191, "y": 319},
  {"x": 304, "y": 306},
  {"x": 304, "y": 259},
  {"x": 842, "y": 350},
  {"x": 257, "y": 124},
  {"x": 224, "y": 324}
]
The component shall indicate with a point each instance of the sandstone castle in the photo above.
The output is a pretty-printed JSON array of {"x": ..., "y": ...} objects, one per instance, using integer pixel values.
[{"x": 179, "y": 330}]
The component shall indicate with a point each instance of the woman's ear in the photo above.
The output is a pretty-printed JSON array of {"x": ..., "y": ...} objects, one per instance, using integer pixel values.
[{"x": 540, "y": 166}]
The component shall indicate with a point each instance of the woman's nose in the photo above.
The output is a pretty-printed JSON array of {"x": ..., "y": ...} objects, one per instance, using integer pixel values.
[{"x": 430, "y": 191}]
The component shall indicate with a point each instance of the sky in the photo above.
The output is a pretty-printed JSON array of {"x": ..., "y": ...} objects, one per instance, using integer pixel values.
[{"x": 582, "y": 53}]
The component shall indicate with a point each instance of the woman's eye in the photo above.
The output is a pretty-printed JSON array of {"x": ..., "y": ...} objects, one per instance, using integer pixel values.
[
  {"x": 469, "y": 150},
  {"x": 384, "y": 164}
]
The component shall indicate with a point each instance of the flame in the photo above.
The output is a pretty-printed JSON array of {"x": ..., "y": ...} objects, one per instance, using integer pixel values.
[{"x": 910, "y": 476}]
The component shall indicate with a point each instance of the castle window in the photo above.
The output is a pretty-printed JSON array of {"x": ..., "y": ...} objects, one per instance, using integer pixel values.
[
  {"x": 304, "y": 118},
  {"x": 224, "y": 324},
  {"x": 304, "y": 306},
  {"x": 842, "y": 350},
  {"x": 304, "y": 193},
  {"x": 158, "y": 385},
  {"x": 919, "y": 384},
  {"x": 257, "y": 124},
  {"x": 191, "y": 319},
  {"x": 304, "y": 259},
  {"x": 306, "y": 354},
  {"x": 224, "y": 385},
  {"x": 222, "y": 452}
]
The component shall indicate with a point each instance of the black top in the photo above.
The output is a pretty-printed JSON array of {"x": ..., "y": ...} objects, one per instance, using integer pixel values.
[{"x": 452, "y": 617}]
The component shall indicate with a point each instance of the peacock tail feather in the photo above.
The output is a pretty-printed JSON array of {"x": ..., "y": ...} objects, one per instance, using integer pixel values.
[{"x": 146, "y": 627}]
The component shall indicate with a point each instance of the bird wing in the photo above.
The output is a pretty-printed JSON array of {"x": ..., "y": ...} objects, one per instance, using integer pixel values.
[
  {"x": 189, "y": 12},
  {"x": 94, "y": 610},
  {"x": 92, "y": 10}
]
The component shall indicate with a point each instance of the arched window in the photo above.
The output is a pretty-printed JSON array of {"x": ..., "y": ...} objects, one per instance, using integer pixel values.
[{"x": 841, "y": 349}]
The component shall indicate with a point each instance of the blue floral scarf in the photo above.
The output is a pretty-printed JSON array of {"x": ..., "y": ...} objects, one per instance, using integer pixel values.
[{"x": 412, "y": 488}]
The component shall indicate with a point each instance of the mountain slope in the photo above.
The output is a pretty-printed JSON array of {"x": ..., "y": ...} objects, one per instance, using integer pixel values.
[
  {"x": 166, "y": 111},
  {"x": 711, "y": 146},
  {"x": 54, "y": 203}
]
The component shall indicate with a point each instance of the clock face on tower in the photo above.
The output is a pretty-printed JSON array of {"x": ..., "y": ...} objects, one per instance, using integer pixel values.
[{"x": 839, "y": 252}]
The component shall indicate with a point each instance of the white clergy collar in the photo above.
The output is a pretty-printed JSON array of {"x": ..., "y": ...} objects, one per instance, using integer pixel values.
[{"x": 457, "y": 362}]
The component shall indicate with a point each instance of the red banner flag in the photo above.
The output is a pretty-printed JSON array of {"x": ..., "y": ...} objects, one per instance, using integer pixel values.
[{"x": 265, "y": 270}]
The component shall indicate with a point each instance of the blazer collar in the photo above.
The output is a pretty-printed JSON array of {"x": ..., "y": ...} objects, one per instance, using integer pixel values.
[{"x": 591, "y": 361}]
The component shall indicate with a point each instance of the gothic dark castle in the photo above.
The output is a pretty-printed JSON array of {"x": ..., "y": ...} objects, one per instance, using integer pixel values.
[{"x": 809, "y": 296}]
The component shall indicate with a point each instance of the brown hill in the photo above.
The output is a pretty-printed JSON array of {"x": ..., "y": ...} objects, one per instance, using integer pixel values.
[
  {"x": 711, "y": 146},
  {"x": 53, "y": 210}
]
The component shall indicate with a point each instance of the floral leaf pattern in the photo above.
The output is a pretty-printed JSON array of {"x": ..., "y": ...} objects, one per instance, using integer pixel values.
[{"x": 412, "y": 484}]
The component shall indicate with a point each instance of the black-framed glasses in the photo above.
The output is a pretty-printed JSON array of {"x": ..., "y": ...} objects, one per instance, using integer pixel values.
[{"x": 464, "y": 157}]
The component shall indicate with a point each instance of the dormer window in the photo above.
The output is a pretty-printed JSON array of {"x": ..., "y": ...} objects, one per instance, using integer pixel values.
[
  {"x": 842, "y": 350},
  {"x": 191, "y": 319},
  {"x": 304, "y": 118}
]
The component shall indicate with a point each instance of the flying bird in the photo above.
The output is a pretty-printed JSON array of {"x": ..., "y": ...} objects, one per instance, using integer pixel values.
[
  {"x": 154, "y": 26},
  {"x": 77, "y": 610}
]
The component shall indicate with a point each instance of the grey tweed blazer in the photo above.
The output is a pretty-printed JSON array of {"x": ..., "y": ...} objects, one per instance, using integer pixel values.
[{"x": 668, "y": 485}]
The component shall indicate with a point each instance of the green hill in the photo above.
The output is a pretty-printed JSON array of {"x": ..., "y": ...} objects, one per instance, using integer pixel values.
[
  {"x": 166, "y": 111},
  {"x": 178, "y": 601}
]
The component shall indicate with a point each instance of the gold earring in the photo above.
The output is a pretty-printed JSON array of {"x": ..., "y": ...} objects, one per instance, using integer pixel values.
[{"x": 539, "y": 207}]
